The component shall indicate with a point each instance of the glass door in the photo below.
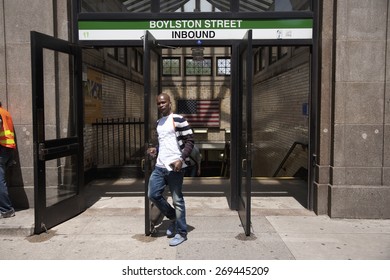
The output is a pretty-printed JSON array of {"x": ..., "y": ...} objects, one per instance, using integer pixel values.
[
  {"x": 152, "y": 87},
  {"x": 245, "y": 128},
  {"x": 58, "y": 130}
]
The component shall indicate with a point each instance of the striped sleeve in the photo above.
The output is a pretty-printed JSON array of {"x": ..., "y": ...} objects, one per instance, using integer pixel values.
[{"x": 184, "y": 135}]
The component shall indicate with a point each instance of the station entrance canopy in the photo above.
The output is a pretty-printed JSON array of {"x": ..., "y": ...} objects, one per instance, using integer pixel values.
[{"x": 196, "y": 29}]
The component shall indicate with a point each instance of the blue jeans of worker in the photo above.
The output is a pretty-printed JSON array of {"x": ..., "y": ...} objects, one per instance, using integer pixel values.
[
  {"x": 160, "y": 178},
  {"x": 6, "y": 155}
]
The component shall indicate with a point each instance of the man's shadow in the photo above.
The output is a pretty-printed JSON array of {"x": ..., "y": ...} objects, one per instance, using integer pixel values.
[{"x": 161, "y": 229}]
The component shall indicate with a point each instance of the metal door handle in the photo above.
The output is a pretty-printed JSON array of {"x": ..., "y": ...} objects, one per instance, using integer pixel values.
[
  {"x": 243, "y": 164},
  {"x": 43, "y": 151}
]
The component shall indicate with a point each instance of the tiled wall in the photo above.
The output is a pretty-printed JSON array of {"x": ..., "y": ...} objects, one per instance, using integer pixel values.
[{"x": 279, "y": 121}]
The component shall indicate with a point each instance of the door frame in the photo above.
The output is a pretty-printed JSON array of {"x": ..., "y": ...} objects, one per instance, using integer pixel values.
[
  {"x": 244, "y": 170},
  {"x": 314, "y": 43},
  {"x": 150, "y": 45},
  {"x": 44, "y": 150}
]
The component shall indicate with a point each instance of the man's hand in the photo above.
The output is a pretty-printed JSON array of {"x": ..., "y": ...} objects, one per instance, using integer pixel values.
[
  {"x": 176, "y": 165},
  {"x": 152, "y": 152}
]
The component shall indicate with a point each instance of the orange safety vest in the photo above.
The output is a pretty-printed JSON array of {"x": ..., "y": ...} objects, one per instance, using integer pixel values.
[{"x": 7, "y": 134}]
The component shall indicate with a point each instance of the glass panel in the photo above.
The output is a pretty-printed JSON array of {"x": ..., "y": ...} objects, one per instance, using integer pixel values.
[
  {"x": 59, "y": 121},
  {"x": 189, "y": 6},
  {"x": 61, "y": 179},
  {"x": 145, "y": 6},
  {"x": 273, "y": 54},
  {"x": 274, "y": 5},
  {"x": 138, "y": 6},
  {"x": 171, "y": 66},
  {"x": 223, "y": 66},
  {"x": 111, "y": 52},
  {"x": 154, "y": 86},
  {"x": 198, "y": 68},
  {"x": 122, "y": 55},
  {"x": 104, "y": 6},
  {"x": 283, "y": 51},
  {"x": 263, "y": 60},
  {"x": 133, "y": 58}
]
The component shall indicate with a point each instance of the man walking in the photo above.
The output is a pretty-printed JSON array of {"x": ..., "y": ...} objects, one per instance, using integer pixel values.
[
  {"x": 175, "y": 143},
  {"x": 7, "y": 148}
]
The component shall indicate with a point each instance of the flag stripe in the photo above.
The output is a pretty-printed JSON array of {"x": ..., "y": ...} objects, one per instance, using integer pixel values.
[{"x": 200, "y": 113}]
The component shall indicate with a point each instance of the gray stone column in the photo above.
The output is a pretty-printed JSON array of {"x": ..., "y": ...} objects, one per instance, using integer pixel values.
[
  {"x": 18, "y": 18},
  {"x": 358, "y": 188}
]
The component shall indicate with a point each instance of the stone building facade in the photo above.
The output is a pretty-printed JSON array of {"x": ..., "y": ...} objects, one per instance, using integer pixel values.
[{"x": 353, "y": 129}]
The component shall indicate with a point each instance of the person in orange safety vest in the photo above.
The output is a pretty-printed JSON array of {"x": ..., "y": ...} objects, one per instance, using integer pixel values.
[{"x": 7, "y": 148}]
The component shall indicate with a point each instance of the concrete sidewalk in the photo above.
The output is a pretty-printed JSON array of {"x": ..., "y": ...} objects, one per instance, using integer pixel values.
[{"x": 112, "y": 228}]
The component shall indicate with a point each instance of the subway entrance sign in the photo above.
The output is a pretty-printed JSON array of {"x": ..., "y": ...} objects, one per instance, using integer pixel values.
[{"x": 197, "y": 29}]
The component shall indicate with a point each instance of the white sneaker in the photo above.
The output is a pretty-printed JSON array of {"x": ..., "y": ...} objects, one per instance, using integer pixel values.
[{"x": 178, "y": 239}]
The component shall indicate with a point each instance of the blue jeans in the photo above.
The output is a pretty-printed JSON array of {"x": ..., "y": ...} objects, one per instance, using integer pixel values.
[
  {"x": 6, "y": 155},
  {"x": 159, "y": 178}
]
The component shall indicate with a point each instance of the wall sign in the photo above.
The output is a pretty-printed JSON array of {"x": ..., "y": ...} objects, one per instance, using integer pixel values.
[{"x": 196, "y": 29}]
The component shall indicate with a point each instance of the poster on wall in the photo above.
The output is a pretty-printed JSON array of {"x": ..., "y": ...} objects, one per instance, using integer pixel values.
[{"x": 92, "y": 89}]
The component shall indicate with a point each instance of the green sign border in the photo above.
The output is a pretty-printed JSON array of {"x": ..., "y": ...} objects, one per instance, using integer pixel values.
[{"x": 245, "y": 24}]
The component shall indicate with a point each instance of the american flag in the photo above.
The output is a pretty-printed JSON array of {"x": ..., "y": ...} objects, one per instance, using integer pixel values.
[{"x": 200, "y": 113}]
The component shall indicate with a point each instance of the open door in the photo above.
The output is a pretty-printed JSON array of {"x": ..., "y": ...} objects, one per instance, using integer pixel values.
[
  {"x": 58, "y": 130},
  {"x": 152, "y": 87},
  {"x": 245, "y": 128}
]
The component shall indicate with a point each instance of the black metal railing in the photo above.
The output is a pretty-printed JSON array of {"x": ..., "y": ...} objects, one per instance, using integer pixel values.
[
  {"x": 118, "y": 141},
  {"x": 296, "y": 143}
]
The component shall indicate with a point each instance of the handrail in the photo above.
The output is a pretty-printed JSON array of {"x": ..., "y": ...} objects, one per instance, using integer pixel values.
[{"x": 288, "y": 154}]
